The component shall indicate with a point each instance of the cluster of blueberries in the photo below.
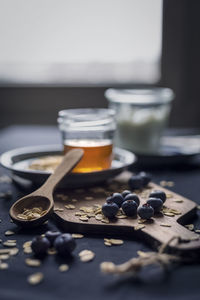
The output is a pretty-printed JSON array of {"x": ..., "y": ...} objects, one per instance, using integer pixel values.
[
  {"x": 129, "y": 202},
  {"x": 139, "y": 181},
  {"x": 64, "y": 243}
]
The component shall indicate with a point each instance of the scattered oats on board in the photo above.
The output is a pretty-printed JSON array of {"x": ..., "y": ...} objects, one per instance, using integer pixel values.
[
  {"x": 178, "y": 200},
  {"x": 74, "y": 200},
  {"x": 63, "y": 268},
  {"x": 9, "y": 232},
  {"x": 70, "y": 206},
  {"x": 167, "y": 183},
  {"x": 89, "y": 198},
  {"x": 169, "y": 214},
  {"x": 99, "y": 217},
  {"x": 121, "y": 217},
  {"x": 97, "y": 205},
  {"x": 86, "y": 209},
  {"x": 78, "y": 213},
  {"x": 165, "y": 225},
  {"x": 77, "y": 235},
  {"x": 141, "y": 221},
  {"x": 190, "y": 227},
  {"x": 86, "y": 255},
  {"x": 97, "y": 211},
  {"x": 32, "y": 262},
  {"x": 175, "y": 211},
  {"x": 35, "y": 278},
  {"x": 83, "y": 218},
  {"x": 168, "y": 195},
  {"x": 90, "y": 215},
  {"x": 58, "y": 209},
  {"x": 105, "y": 220},
  {"x": 139, "y": 227}
]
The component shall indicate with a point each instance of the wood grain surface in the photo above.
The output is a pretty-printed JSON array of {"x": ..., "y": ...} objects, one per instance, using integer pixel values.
[{"x": 154, "y": 231}]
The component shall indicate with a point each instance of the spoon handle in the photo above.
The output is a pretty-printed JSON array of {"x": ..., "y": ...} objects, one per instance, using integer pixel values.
[{"x": 69, "y": 161}]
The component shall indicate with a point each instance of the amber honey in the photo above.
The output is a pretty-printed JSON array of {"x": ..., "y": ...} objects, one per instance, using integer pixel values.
[{"x": 97, "y": 154}]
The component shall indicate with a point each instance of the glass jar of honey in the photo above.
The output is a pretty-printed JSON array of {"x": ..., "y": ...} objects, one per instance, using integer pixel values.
[{"x": 92, "y": 130}]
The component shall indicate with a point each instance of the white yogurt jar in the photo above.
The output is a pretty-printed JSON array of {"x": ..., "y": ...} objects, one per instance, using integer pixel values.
[{"x": 141, "y": 116}]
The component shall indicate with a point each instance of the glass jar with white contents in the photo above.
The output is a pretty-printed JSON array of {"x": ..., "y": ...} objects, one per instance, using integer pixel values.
[
  {"x": 92, "y": 130},
  {"x": 141, "y": 116}
]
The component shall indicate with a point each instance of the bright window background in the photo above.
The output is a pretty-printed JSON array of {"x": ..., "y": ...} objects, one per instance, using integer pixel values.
[{"x": 80, "y": 41}]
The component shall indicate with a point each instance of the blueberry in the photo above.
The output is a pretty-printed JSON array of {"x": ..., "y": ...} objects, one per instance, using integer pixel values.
[
  {"x": 156, "y": 203},
  {"x": 118, "y": 199},
  {"x": 52, "y": 235},
  {"x": 40, "y": 245},
  {"x": 145, "y": 211},
  {"x": 125, "y": 193},
  {"x": 158, "y": 194},
  {"x": 133, "y": 197},
  {"x": 135, "y": 182},
  {"x": 109, "y": 199},
  {"x": 64, "y": 244},
  {"x": 129, "y": 207},
  {"x": 110, "y": 209},
  {"x": 146, "y": 178}
]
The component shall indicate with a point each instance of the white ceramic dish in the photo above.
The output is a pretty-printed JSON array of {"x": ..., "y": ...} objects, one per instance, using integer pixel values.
[{"x": 18, "y": 160}]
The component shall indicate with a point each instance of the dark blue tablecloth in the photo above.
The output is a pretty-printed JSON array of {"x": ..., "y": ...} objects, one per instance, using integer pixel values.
[{"x": 84, "y": 280}]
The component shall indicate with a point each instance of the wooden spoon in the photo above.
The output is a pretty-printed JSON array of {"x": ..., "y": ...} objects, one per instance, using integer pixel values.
[{"x": 43, "y": 197}]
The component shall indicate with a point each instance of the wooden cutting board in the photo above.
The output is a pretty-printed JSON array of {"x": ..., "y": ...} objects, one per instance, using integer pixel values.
[{"x": 159, "y": 230}]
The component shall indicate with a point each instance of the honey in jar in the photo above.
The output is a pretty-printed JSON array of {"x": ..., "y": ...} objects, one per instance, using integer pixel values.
[
  {"x": 97, "y": 154},
  {"x": 91, "y": 129}
]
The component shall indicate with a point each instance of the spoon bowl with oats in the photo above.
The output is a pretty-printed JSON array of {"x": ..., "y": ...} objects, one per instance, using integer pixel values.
[{"x": 34, "y": 209}]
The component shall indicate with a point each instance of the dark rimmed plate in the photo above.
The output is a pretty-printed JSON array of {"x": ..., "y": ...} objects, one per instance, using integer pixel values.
[
  {"x": 18, "y": 160},
  {"x": 174, "y": 150}
]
